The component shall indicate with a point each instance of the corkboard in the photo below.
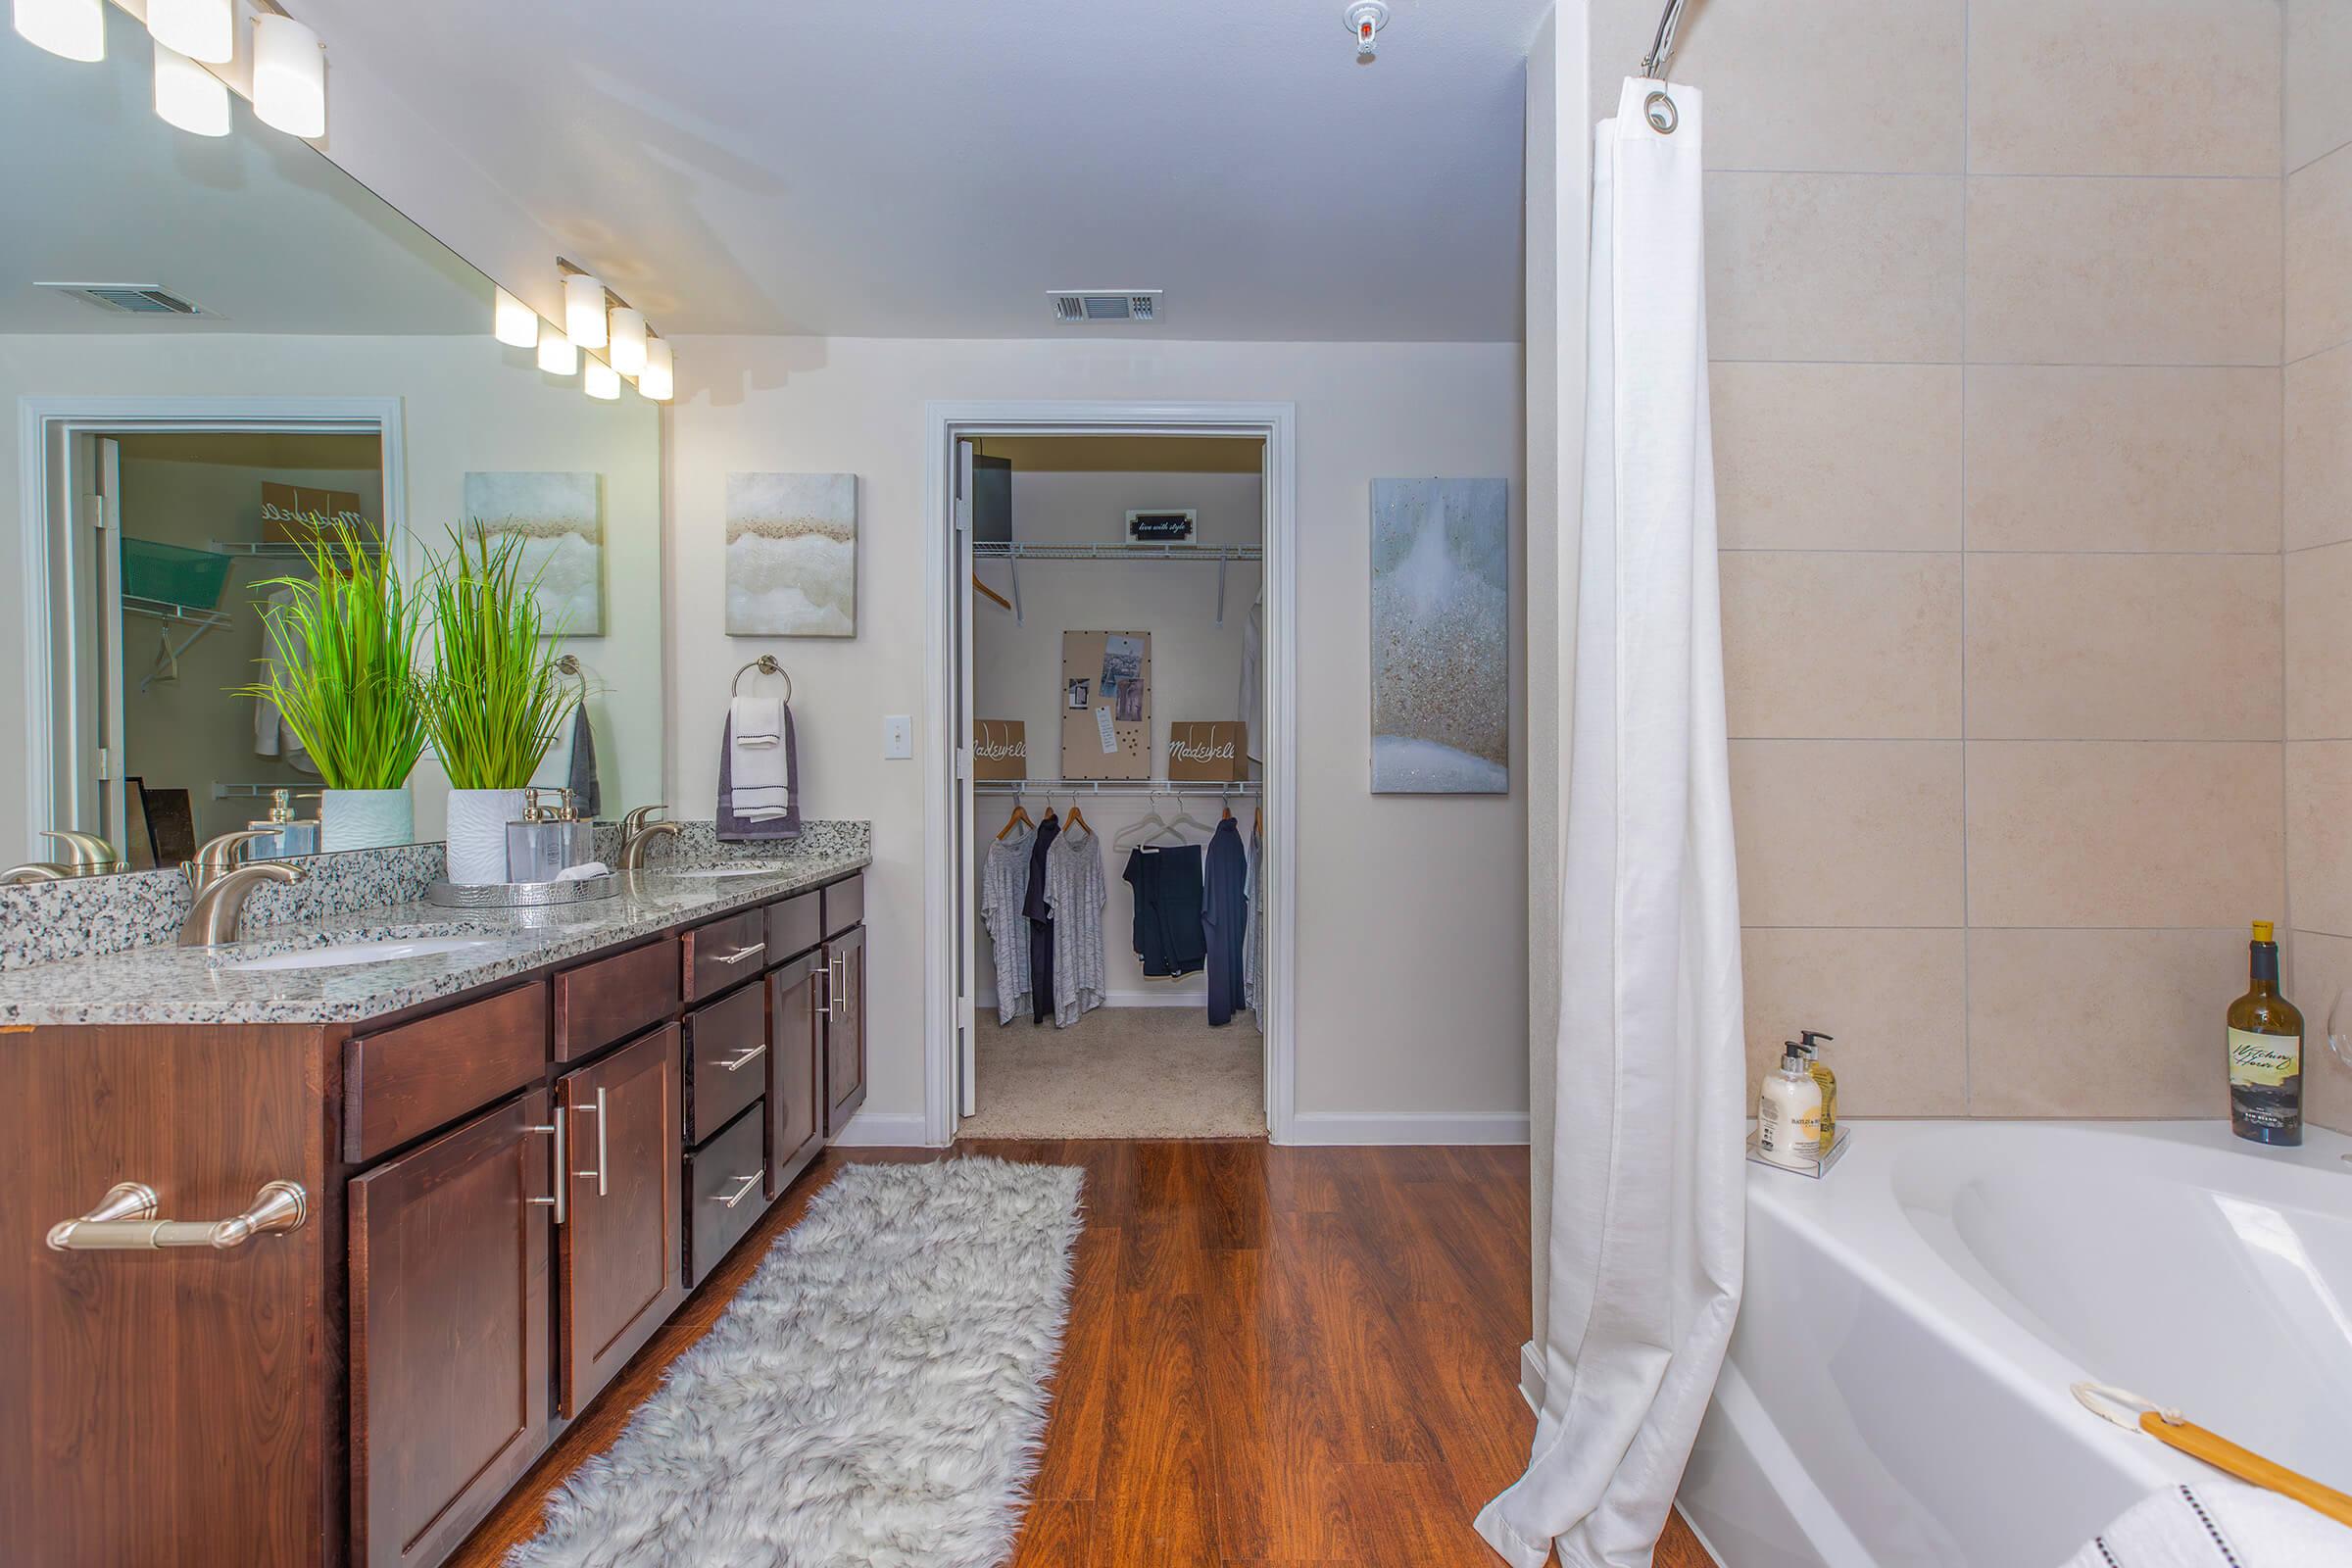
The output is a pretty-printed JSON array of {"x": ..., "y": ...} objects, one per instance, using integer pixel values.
[{"x": 1082, "y": 753}]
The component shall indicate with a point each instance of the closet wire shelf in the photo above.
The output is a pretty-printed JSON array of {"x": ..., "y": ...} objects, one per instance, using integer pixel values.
[
  {"x": 1119, "y": 786},
  {"x": 1013, "y": 552}
]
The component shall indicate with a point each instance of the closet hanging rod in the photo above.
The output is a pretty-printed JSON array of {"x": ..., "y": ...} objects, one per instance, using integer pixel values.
[
  {"x": 1117, "y": 786},
  {"x": 1005, "y": 549}
]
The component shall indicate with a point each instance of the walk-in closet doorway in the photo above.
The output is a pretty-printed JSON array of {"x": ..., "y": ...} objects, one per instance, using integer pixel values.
[{"x": 1028, "y": 585}]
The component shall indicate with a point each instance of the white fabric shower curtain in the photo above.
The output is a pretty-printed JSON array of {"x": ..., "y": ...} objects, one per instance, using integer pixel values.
[{"x": 1649, "y": 1195}]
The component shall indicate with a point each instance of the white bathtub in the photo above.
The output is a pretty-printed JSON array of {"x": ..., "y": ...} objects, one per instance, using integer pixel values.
[{"x": 1896, "y": 1388}]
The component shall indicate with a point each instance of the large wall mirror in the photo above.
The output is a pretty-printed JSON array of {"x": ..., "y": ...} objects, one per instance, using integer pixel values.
[{"x": 306, "y": 353}]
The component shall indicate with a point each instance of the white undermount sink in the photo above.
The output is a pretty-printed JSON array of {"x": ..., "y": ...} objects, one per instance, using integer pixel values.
[
  {"x": 356, "y": 952},
  {"x": 733, "y": 868}
]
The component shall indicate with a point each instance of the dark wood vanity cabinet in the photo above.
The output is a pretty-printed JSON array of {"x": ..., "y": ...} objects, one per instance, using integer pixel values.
[{"x": 509, "y": 1192}]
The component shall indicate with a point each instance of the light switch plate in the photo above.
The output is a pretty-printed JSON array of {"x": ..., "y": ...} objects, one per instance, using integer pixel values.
[{"x": 898, "y": 735}]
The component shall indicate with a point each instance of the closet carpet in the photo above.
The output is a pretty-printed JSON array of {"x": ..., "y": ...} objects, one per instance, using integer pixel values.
[{"x": 1121, "y": 1072}]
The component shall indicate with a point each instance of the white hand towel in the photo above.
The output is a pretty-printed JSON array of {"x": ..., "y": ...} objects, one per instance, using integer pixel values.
[
  {"x": 2218, "y": 1523},
  {"x": 759, "y": 768}
]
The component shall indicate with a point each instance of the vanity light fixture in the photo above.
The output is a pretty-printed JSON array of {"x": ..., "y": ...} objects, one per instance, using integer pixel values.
[
  {"x": 187, "y": 95},
  {"x": 558, "y": 354},
  {"x": 628, "y": 341},
  {"x": 200, "y": 29},
  {"x": 656, "y": 381},
  {"x": 584, "y": 311},
  {"x": 513, "y": 322},
  {"x": 289, "y": 77},
  {"x": 71, "y": 29},
  {"x": 603, "y": 381}
]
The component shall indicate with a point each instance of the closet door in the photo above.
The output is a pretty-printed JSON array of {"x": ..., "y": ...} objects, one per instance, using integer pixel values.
[{"x": 967, "y": 839}]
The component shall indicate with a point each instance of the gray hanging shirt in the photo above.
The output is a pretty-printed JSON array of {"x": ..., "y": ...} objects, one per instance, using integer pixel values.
[
  {"x": 1077, "y": 893},
  {"x": 1004, "y": 885}
]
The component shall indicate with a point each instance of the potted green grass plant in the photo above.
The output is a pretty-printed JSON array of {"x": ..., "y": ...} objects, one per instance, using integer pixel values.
[
  {"x": 493, "y": 701},
  {"x": 341, "y": 672}
]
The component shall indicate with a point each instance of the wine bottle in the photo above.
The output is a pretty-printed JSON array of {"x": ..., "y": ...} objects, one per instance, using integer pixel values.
[{"x": 2266, "y": 1053}]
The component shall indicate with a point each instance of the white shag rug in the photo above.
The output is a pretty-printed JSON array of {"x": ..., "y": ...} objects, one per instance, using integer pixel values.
[{"x": 873, "y": 1399}]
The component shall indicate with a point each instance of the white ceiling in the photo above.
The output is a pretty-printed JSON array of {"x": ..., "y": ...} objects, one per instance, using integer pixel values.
[
  {"x": 868, "y": 168},
  {"x": 255, "y": 224}
]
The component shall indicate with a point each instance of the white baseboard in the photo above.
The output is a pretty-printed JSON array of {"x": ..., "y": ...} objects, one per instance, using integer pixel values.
[
  {"x": 1531, "y": 1376},
  {"x": 881, "y": 1129},
  {"x": 1411, "y": 1127}
]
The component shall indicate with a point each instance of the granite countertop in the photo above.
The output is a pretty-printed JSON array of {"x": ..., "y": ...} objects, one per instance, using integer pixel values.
[{"x": 198, "y": 985}]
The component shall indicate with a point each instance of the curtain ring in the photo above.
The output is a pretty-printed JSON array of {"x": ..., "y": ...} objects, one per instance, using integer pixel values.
[{"x": 1659, "y": 111}]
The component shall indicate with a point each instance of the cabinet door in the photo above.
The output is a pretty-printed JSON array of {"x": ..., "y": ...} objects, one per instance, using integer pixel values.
[
  {"x": 796, "y": 1123},
  {"x": 449, "y": 1332},
  {"x": 617, "y": 1249},
  {"x": 844, "y": 1029}
]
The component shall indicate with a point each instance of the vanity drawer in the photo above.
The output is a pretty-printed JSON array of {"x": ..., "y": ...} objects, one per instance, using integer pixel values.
[
  {"x": 611, "y": 999},
  {"x": 404, "y": 1082},
  {"x": 723, "y": 1180},
  {"x": 845, "y": 906},
  {"x": 795, "y": 925},
  {"x": 723, "y": 952},
  {"x": 727, "y": 1059}
]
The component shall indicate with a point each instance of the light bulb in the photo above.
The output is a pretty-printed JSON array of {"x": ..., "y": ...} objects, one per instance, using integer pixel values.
[
  {"x": 289, "y": 77},
  {"x": 584, "y": 311},
  {"x": 604, "y": 381},
  {"x": 74, "y": 29},
  {"x": 628, "y": 341},
  {"x": 187, "y": 95},
  {"x": 513, "y": 322},
  {"x": 200, "y": 29},
  {"x": 655, "y": 380},
  {"x": 558, "y": 354}
]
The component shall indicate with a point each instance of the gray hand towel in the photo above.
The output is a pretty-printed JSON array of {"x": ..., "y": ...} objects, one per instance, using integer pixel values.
[
  {"x": 587, "y": 792},
  {"x": 735, "y": 829}
]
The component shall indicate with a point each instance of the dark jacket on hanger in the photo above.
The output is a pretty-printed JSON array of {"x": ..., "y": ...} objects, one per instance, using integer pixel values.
[
  {"x": 1225, "y": 918},
  {"x": 1040, "y": 923},
  {"x": 1168, "y": 910}
]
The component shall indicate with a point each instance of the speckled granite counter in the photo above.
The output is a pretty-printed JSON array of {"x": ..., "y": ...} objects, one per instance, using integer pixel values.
[{"x": 196, "y": 985}]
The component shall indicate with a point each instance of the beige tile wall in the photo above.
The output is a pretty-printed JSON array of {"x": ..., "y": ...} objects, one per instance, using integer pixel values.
[
  {"x": 1998, "y": 292},
  {"x": 2316, "y": 212}
]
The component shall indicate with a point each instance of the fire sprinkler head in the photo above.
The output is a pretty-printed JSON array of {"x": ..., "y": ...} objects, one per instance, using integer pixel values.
[{"x": 1365, "y": 19}]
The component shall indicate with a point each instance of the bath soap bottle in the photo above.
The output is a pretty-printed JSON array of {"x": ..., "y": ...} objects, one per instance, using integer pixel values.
[
  {"x": 548, "y": 841},
  {"x": 2266, "y": 1053},
  {"x": 288, "y": 836},
  {"x": 1789, "y": 1116},
  {"x": 1808, "y": 1045}
]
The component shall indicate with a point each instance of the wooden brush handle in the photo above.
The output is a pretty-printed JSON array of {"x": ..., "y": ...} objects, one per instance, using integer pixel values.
[{"x": 2247, "y": 1465}]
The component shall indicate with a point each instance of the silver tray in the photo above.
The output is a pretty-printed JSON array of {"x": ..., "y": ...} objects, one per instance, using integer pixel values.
[
  {"x": 1817, "y": 1167},
  {"x": 522, "y": 895}
]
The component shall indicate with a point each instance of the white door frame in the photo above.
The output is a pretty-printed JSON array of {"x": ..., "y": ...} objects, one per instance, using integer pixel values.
[
  {"x": 46, "y": 427},
  {"x": 1274, "y": 424}
]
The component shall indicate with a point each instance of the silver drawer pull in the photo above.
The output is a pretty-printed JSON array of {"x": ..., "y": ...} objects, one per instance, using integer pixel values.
[
  {"x": 598, "y": 1112},
  {"x": 738, "y": 1063},
  {"x": 125, "y": 1222},
  {"x": 557, "y": 1187},
  {"x": 739, "y": 954},
  {"x": 740, "y": 1193}
]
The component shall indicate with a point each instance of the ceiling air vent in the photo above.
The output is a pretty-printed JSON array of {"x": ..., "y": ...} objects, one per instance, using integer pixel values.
[
  {"x": 128, "y": 299},
  {"x": 1087, "y": 307}
]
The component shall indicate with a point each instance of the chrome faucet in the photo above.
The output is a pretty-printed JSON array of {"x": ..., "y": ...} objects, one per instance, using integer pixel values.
[
  {"x": 35, "y": 871},
  {"x": 86, "y": 853},
  {"x": 221, "y": 902},
  {"x": 639, "y": 830}
]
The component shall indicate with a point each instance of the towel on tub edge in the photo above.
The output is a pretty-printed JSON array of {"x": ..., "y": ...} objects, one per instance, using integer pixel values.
[{"x": 2218, "y": 1523}]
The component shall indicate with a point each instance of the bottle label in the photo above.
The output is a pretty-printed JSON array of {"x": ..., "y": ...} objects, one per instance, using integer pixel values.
[{"x": 2263, "y": 1061}]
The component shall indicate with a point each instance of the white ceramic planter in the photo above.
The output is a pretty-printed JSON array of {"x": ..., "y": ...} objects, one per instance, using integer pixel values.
[
  {"x": 477, "y": 834},
  {"x": 365, "y": 820}
]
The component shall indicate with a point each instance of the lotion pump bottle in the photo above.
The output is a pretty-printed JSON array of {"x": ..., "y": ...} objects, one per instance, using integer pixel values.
[
  {"x": 1808, "y": 1045},
  {"x": 1789, "y": 1116}
]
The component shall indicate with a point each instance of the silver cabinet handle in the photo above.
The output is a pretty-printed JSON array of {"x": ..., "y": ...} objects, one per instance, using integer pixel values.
[
  {"x": 561, "y": 1181},
  {"x": 837, "y": 972},
  {"x": 738, "y": 1063},
  {"x": 740, "y": 1193},
  {"x": 125, "y": 1222},
  {"x": 824, "y": 972},
  {"x": 739, "y": 954},
  {"x": 598, "y": 1112}
]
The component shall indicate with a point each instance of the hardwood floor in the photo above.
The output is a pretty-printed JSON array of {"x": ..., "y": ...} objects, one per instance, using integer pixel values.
[{"x": 1300, "y": 1356}]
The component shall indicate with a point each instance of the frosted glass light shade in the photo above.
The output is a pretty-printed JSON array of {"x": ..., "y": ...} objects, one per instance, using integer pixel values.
[
  {"x": 74, "y": 29},
  {"x": 289, "y": 77},
  {"x": 628, "y": 341},
  {"x": 558, "y": 354},
  {"x": 655, "y": 381},
  {"x": 584, "y": 311},
  {"x": 187, "y": 95},
  {"x": 200, "y": 29},
  {"x": 604, "y": 381},
  {"x": 513, "y": 322}
]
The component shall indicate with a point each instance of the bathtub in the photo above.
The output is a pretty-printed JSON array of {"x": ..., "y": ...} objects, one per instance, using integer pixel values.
[{"x": 1896, "y": 1390}]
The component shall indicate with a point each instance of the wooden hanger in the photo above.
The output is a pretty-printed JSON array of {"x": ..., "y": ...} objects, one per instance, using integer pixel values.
[
  {"x": 1076, "y": 819},
  {"x": 1258, "y": 820},
  {"x": 1019, "y": 819},
  {"x": 1003, "y": 603}
]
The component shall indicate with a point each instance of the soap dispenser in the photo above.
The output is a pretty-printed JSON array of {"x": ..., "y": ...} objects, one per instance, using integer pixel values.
[
  {"x": 1789, "y": 1116},
  {"x": 1808, "y": 1045},
  {"x": 548, "y": 841},
  {"x": 287, "y": 835}
]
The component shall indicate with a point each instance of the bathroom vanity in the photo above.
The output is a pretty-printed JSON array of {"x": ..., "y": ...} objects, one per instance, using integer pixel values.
[{"x": 515, "y": 1158}]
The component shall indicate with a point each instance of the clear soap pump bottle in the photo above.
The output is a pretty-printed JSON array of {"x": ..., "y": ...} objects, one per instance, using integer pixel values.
[
  {"x": 1789, "y": 1116},
  {"x": 1808, "y": 1045}
]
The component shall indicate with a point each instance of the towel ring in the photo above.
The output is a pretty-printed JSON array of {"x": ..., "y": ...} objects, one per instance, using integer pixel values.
[{"x": 765, "y": 664}]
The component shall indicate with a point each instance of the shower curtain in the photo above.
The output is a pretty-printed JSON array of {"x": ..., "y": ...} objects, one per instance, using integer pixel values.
[{"x": 1649, "y": 1205}]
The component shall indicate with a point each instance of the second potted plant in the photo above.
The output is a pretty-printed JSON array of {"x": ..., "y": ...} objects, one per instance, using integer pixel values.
[{"x": 493, "y": 702}]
